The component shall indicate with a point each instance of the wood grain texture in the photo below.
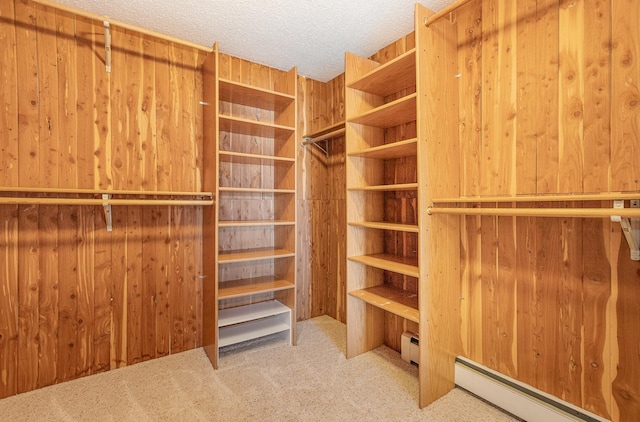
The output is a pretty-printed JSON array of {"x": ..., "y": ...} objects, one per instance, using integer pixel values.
[
  {"x": 70, "y": 287},
  {"x": 625, "y": 96}
]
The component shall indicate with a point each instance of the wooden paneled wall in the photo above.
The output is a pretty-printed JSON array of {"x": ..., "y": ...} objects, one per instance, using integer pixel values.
[
  {"x": 550, "y": 103},
  {"x": 321, "y": 203},
  {"x": 75, "y": 299}
]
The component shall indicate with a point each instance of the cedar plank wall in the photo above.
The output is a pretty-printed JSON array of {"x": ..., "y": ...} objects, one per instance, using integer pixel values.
[
  {"x": 75, "y": 299},
  {"x": 550, "y": 103},
  {"x": 321, "y": 203}
]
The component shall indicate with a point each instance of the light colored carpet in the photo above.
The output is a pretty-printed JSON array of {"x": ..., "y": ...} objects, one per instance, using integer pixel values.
[{"x": 265, "y": 380}]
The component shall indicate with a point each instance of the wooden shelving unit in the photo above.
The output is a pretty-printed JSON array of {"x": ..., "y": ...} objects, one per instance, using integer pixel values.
[
  {"x": 401, "y": 152},
  {"x": 250, "y": 254}
]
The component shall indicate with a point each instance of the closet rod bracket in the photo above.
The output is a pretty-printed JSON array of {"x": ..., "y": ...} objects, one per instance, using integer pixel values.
[
  {"x": 311, "y": 141},
  {"x": 630, "y": 227},
  {"x": 107, "y": 212},
  {"x": 107, "y": 46}
]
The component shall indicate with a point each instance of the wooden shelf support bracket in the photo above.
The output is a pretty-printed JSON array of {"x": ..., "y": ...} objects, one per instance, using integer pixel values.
[
  {"x": 107, "y": 46},
  {"x": 630, "y": 227},
  {"x": 107, "y": 212},
  {"x": 311, "y": 141}
]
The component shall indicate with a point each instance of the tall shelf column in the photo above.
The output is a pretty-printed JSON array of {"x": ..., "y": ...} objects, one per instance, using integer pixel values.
[
  {"x": 250, "y": 248},
  {"x": 401, "y": 129}
]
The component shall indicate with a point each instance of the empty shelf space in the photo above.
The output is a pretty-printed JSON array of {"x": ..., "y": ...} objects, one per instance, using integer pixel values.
[
  {"x": 389, "y": 262},
  {"x": 403, "y": 186},
  {"x": 251, "y": 96},
  {"x": 390, "y": 77},
  {"x": 402, "y": 110},
  {"x": 406, "y": 148},
  {"x": 396, "y": 301},
  {"x": 226, "y": 257},
  {"x": 250, "y": 286},
  {"x": 243, "y": 158},
  {"x": 240, "y": 314},
  {"x": 255, "y": 223},
  {"x": 253, "y": 127},
  {"x": 382, "y": 225}
]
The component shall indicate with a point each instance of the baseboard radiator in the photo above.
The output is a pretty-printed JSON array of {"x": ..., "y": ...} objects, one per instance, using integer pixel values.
[{"x": 516, "y": 397}]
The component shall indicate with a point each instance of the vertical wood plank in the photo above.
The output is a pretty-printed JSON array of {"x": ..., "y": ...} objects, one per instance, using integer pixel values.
[
  {"x": 48, "y": 296},
  {"x": 67, "y": 97},
  {"x": 626, "y": 390},
  {"x": 596, "y": 293},
  {"x": 506, "y": 296},
  {"x": 546, "y": 52},
  {"x": 528, "y": 121},
  {"x": 28, "y": 100},
  {"x": 120, "y": 280},
  {"x": 47, "y": 96},
  {"x": 135, "y": 286},
  {"x": 67, "y": 355},
  {"x": 8, "y": 97},
  {"x": 164, "y": 106},
  {"x": 498, "y": 175},
  {"x": 85, "y": 248},
  {"x": 625, "y": 97},
  {"x": 162, "y": 255},
  {"x": 151, "y": 234},
  {"x": 28, "y": 295},
  {"x": 176, "y": 282},
  {"x": 135, "y": 119},
  {"x": 118, "y": 104},
  {"x": 190, "y": 270},
  {"x": 102, "y": 148},
  {"x": 9, "y": 301},
  {"x": 570, "y": 353},
  {"x": 571, "y": 99},
  {"x": 490, "y": 331},
  {"x": 147, "y": 117},
  {"x": 469, "y": 24},
  {"x": 597, "y": 95},
  {"x": 103, "y": 295},
  {"x": 85, "y": 101}
]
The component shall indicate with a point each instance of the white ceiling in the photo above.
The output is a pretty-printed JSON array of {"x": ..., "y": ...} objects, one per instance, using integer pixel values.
[{"x": 312, "y": 35}]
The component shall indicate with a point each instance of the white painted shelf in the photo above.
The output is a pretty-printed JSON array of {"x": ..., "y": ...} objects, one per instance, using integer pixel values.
[{"x": 248, "y": 322}]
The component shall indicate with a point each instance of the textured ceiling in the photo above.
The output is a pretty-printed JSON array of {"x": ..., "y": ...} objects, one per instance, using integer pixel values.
[{"x": 312, "y": 35}]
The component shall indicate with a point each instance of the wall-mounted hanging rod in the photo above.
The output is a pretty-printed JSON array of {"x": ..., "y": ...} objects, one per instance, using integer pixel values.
[
  {"x": 324, "y": 135},
  {"x": 94, "y": 16},
  {"x": 539, "y": 212},
  {"x": 428, "y": 21}
]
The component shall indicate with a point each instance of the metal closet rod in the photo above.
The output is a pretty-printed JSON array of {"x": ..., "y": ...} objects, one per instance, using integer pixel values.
[
  {"x": 94, "y": 16},
  {"x": 540, "y": 212},
  {"x": 428, "y": 21}
]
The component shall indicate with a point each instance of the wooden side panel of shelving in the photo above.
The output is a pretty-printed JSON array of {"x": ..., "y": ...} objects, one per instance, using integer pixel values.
[
  {"x": 68, "y": 302},
  {"x": 438, "y": 169}
]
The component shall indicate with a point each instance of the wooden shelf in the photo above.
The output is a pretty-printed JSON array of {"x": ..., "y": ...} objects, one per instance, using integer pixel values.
[
  {"x": 248, "y": 322},
  {"x": 251, "y": 286},
  {"x": 403, "y": 186},
  {"x": 252, "y": 127},
  {"x": 398, "y": 302},
  {"x": 402, "y": 110},
  {"x": 400, "y": 265},
  {"x": 540, "y": 212},
  {"x": 242, "y": 158},
  {"x": 386, "y": 226},
  {"x": 251, "y": 96},
  {"x": 246, "y": 255},
  {"x": 254, "y": 223},
  {"x": 406, "y": 148},
  {"x": 389, "y": 78}
]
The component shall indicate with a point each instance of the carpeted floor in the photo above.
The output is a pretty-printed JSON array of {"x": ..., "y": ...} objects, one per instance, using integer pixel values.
[{"x": 265, "y": 380}]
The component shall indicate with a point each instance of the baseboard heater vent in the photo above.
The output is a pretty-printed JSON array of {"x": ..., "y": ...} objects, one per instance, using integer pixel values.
[
  {"x": 516, "y": 397},
  {"x": 410, "y": 347}
]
